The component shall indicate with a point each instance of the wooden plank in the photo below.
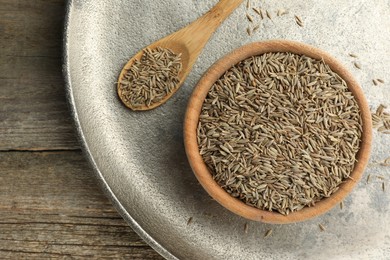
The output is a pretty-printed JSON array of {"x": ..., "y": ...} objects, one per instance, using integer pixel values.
[
  {"x": 51, "y": 206},
  {"x": 33, "y": 110}
]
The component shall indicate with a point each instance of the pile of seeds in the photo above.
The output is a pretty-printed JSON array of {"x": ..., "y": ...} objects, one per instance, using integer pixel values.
[
  {"x": 280, "y": 131},
  {"x": 150, "y": 79}
]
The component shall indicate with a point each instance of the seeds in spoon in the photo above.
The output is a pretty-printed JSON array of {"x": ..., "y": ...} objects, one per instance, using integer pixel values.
[{"x": 149, "y": 80}]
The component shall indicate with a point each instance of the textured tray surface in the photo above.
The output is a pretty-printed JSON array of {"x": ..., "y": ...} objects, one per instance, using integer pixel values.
[{"x": 140, "y": 156}]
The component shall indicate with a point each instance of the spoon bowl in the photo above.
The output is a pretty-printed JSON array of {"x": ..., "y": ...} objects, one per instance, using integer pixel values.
[{"x": 176, "y": 47}]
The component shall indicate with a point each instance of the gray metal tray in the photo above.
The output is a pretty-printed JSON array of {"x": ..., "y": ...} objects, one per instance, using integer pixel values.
[{"x": 139, "y": 157}]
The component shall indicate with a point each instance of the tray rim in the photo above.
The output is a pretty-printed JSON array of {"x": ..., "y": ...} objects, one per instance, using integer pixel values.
[{"x": 84, "y": 146}]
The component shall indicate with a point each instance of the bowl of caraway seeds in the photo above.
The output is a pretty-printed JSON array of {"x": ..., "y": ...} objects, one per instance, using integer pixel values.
[{"x": 278, "y": 131}]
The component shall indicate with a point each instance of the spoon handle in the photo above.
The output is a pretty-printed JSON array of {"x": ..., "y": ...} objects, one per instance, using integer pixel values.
[
  {"x": 198, "y": 32},
  {"x": 219, "y": 13}
]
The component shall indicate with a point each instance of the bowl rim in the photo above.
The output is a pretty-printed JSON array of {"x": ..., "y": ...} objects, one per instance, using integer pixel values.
[{"x": 199, "y": 167}]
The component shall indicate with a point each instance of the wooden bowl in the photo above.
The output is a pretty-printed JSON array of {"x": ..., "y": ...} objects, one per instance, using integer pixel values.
[{"x": 200, "y": 169}]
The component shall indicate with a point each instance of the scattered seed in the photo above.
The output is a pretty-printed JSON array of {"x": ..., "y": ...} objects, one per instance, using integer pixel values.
[
  {"x": 341, "y": 204},
  {"x": 256, "y": 28},
  {"x": 383, "y": 186},
  {"x": 268, "y": 233},
  {"x": 248, "y": 31},
  {"x": 368, "y": 178},
  {"x": 249, "y": 17},
  {"x": 281, "y": 12},
  {"x": 322, "y": 227},
  {"x": 246, "y": 227},
  {"x": 357, "y": 65},
  {"x": 268, "y": 14},
  {"x": 298, "y": 20},
  {"x": 261, "y": 14},
  {"x": 381, "y": 81},
  {"x": 257, "y": 10},
  {"x": 248, "y": 4},
  {"x": 353, "y": 55},
  {"x": 375, "y": 82},
  {"x": 189, "y": 221}
]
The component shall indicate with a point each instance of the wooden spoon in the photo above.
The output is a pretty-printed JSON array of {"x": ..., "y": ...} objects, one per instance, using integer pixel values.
[{"x": 188, "y": 41}]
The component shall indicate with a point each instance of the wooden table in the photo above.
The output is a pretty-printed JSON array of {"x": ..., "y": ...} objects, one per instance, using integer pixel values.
[{"x": 50, "y": 204}]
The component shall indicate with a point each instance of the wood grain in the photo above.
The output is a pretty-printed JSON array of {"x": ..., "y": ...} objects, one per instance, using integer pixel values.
[
  {"x": 50, "y": 205},
  {"x": 53, "y": 207},
  {"x": 33, "y": 109}
]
